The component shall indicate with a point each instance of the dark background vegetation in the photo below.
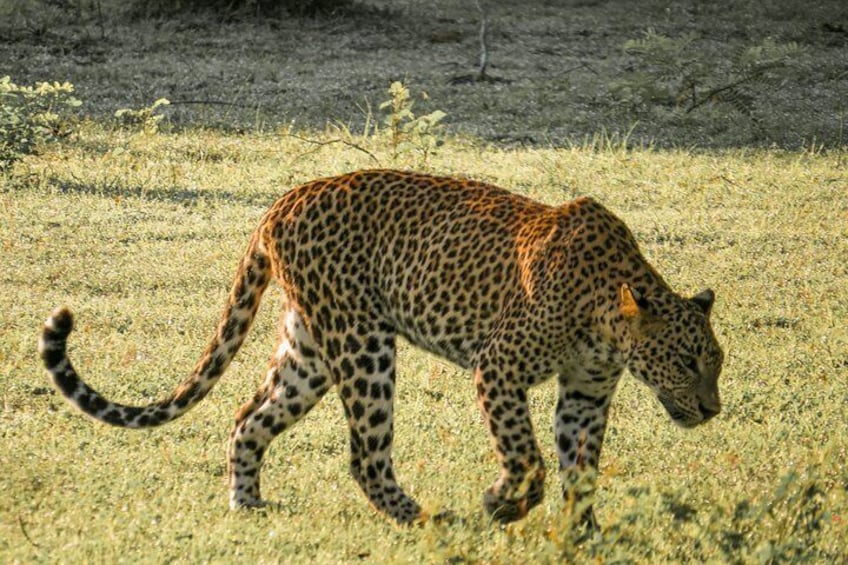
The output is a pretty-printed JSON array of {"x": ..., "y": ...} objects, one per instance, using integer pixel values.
[{"x": 556, "y": 68}]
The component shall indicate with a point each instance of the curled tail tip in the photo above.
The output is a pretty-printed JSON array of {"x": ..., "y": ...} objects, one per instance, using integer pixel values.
[
  {"x": 51, "y": 345},
  {"x": 60, "y": 323}
]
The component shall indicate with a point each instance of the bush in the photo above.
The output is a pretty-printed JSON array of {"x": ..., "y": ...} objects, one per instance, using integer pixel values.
[
  {"x": 30, "y": 116},
  {"x": 678, "y": 71}
]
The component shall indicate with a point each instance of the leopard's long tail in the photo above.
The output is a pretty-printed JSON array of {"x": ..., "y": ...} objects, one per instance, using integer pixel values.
[{"x": 251, "y": 280}]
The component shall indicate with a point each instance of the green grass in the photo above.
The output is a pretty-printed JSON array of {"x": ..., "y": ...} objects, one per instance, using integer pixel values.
[{"x": 140, "y": 235}]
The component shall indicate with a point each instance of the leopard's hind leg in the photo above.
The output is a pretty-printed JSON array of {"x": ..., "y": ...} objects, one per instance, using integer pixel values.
[
  {"x": 366, "y": 386},
  {"x": 296, "y": 380}
]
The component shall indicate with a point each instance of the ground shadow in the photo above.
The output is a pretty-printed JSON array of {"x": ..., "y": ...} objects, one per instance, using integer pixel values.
[{"x": 168, "y": 194}]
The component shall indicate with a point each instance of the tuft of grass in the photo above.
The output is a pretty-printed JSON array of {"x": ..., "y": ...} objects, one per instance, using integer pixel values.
[{"x": 140, "y": 235}]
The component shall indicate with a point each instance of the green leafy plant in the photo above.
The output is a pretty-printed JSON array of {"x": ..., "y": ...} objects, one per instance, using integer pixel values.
[
  {"x": 680, "y": 72},
  {"x": 147, "y": 119},
  {"x": 670, "y": 68},
  {"x": 30, "y": 115},
  {"x": 408, "y": 132}
]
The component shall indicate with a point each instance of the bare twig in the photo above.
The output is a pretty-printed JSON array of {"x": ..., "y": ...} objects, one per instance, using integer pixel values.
[
  {"x": 320, "y": 144},
  {"x": 716, "y": 91},
  {"x": 484, "y": 48},
  {"x": 26, "y": 535},
  {"x": 581, "y": 65},
  {"x": 100, "y": 21},
  {"x": 210, "y": 103},
  {"x": 480, "y": 75}
]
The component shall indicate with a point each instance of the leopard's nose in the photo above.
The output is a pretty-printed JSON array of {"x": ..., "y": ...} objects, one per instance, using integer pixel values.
[{"x": 708, "y": 411}]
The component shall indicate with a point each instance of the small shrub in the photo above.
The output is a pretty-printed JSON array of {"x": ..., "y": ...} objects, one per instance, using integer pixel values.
[
  {"x": 671, "y": 68},
  {"x": 407, "y": 132},
  {"x": 30, "y": 116},
  {"x": 145, "y": 119}
]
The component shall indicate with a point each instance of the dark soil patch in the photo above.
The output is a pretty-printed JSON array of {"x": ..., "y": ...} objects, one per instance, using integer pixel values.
[{"x": 551, "y": 62}]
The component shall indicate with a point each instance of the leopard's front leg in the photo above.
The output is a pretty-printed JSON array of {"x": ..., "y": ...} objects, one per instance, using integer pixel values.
[
  {"x": 580, "y": 421},
  {"x": 503, "y": 400}
]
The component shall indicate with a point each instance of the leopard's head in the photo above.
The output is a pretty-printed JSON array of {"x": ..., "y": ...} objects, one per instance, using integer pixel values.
[{"x": 674, "y": 351}]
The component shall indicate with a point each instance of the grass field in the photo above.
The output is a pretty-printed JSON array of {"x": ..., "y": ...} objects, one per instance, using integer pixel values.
[{"x": 140, "y": 233}]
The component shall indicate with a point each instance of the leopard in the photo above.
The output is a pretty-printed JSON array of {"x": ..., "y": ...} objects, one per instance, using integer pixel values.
[{"x": 513, "y": 291}]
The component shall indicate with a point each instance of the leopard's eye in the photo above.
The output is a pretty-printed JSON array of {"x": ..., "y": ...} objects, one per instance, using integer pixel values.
[{"x": 690, "y": 363}]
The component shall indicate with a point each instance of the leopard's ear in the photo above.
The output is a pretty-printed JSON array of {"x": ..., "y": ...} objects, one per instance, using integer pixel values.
[
  {"x": 632, "y": 304},
  {"x": 637, "y": 310},
  {"x": 704, "y": 300}
]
